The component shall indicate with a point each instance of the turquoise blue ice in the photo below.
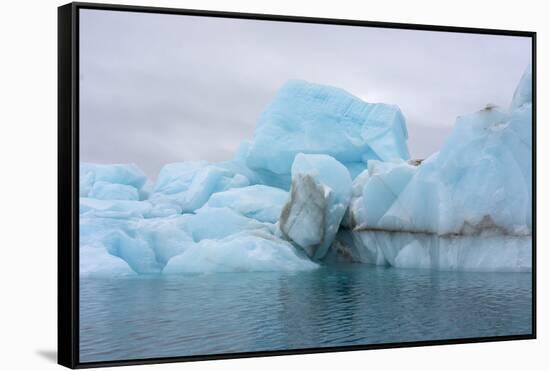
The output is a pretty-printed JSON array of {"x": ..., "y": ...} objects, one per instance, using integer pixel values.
[
  {"x": 326, "y": 176},
  {"x": 315, "y": 119}
]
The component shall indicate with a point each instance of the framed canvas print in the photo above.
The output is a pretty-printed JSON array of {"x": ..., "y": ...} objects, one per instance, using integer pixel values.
[{"x": 237, "y": 185}]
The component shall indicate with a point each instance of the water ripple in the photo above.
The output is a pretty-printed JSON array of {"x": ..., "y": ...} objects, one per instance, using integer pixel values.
[{"x": 333, "y": 306}]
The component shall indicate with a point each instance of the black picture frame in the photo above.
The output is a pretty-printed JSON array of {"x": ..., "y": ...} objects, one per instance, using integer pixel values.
[{"x": 68, "y": 178}]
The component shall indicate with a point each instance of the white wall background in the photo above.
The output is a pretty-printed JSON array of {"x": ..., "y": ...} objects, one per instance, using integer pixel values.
[{"x": 28, "y": 152}]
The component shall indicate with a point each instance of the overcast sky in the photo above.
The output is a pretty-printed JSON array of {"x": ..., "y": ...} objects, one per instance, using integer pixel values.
[{"x": 157, "y": 88}]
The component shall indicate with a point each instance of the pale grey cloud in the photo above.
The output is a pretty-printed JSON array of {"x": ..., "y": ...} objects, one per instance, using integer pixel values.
[{"x": 164, "y": 88}]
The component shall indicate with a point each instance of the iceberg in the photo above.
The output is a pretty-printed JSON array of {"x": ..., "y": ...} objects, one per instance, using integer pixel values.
[
  {"x": 144, "y": 245},
  {"x": 190, "y": 184},
  {"x": 381, "y": 184},
  {"x": 480, "y": 179},
  {"x": 327, "y": 178},
  {"x": 113, "y": 174},
  {"x": 223, "y": 240},
  {"x": 355, "y": 208},
  {"x": 250, "y": 251},
  {"x": 487, "y": 252},
  {"x": 319, "y": 197},
  {"x": 467, "y": 207},
  {"x": 303, "y": 218},
  {"x": 120, "y": 209},
  {"x": 259, "y": 202},
  {"x": 523, "y": 93},
  {"x": 108, "y": 191},
  {"x": 121, "y": 237},
  {"x": 96, "y": 261},
  {"x": 316, "y": 119},
  {"x": 124, "y": 209},
  {"x": 218, "y": 223}
]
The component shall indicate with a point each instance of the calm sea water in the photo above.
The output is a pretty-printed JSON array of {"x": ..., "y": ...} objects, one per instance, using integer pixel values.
[{"x": 165, "y": 316}]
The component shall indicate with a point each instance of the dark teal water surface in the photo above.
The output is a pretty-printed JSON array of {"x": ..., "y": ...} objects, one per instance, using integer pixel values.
[{"x": 165, "y": 316}]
